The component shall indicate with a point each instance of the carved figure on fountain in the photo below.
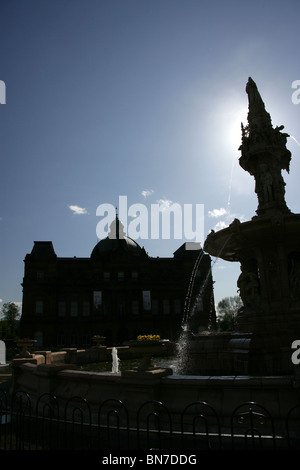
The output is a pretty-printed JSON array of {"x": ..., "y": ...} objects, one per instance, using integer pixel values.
[
  {"x": 249, "y": 286},
  {"x": 264, "y": 154}
]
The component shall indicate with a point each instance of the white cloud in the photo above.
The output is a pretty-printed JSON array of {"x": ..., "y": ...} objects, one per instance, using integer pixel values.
[
  {"x": 227, "y": 218},
  {"x": 147, "y": 192},
  {"x": 217, "y": 212},
  {"x": 78, "y": 210},
  {"x": 164, "y": 204},
  {"x": 220, "y": 225}
]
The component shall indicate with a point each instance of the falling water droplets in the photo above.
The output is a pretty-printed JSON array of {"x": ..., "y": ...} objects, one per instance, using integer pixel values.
[{"x": 184, "y": 340}]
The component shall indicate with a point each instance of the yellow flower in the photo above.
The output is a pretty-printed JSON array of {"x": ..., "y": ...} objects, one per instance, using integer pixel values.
[{"x": 148, "y": 338}]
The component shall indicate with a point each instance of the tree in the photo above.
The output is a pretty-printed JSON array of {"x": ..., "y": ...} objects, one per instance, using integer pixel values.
[
  {"x": 10, "y": 324},
  {"x": 227, "y": 310}
]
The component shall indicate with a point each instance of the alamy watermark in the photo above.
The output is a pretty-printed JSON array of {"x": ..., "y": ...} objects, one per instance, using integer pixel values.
[
  {"x": 2, "y": 352},
  {"x": 296, "y": 354},
  {"x": 2, "y": 92},
  {"x": 296, "y": 93},
  {"x": 161, "y": 221}
]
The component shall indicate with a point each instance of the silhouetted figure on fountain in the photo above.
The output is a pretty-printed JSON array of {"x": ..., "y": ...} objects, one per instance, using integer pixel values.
[{"x": 264, "y": 154}]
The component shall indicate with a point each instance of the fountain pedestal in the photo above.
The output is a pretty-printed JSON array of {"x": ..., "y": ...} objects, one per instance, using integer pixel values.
[
  {"x": 146, "y": 349},
  {"x": 267, "y": 248}
]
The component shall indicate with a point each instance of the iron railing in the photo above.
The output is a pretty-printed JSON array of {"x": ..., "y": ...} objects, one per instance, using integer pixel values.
[{"x": 44, "y": 423}]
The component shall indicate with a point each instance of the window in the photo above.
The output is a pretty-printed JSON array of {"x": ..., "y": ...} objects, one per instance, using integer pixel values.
[
  {"x": 135, "y": 307},
  {"x": 107, "y": 307},
  {"x": 74, "y": 309},
  {"x": 39, "y": 306},
  {"x": 147, "y": 300},
  {"x": 97, "y": 296},
  {"x": 166, "y": 307},
  {"x": 73, "y": 339},
  {"x": 154, "y": 307},
  {"x": 121, "y": 309},
  {"x": 61, "y": 340},
  {"x": 106, "y": 276},
  {"x": 86, "y": 339},
  {"x": 120, "y": 276},
  {"x": 38, "y": 336},
  {"x": 177, "y": 307},
  {"x": 134, "y": 275},
  {"x": 40, "y": 275},
  {"x": 86, "y": 308},
  {"x": 62, "y": 308}
]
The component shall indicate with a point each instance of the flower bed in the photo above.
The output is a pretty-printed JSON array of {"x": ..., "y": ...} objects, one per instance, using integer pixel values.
[{"x": 148, "y": 338}]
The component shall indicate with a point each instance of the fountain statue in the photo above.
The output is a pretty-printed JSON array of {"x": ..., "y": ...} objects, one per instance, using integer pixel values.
[{"x": 268, "y": 250}]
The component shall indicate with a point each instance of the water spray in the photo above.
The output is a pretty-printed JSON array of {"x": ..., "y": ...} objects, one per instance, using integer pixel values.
[
  {"x": 183, "y": 341},
  {"x": 230, "y": 185},
  {"x": 295, "y": 140},
  {"x": 115, "y": 361}
]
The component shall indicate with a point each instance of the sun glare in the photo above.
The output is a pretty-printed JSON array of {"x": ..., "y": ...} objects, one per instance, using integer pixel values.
[
  {"x": 236, "y": 116},
  {"x": 229, "y": 114}
]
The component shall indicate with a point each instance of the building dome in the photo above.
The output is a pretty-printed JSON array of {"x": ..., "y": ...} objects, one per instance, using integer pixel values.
[{"x": 117, "y": 242}]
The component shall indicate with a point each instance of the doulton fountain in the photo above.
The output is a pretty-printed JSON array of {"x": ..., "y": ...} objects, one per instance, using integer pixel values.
[{"x": 268, "y": 250}]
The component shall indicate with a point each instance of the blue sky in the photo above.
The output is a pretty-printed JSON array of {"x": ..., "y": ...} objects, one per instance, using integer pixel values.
[{"x": 142, "y": 98}]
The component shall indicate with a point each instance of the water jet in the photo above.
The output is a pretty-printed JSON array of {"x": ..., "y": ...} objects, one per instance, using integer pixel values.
[{"x": 115, "y": 361}]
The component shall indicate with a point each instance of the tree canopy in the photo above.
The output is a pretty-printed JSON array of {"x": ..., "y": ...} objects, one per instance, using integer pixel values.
[
  {"x": 227, "y": 310},
  {"x": 10, "y": 322}
]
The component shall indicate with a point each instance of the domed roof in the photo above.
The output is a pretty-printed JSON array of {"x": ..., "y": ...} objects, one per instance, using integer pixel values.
[{"x": 117, "y": 241}]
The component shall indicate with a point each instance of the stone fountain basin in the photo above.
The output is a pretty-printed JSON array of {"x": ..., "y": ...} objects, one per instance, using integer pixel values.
[{"x": 240, "y": 238}]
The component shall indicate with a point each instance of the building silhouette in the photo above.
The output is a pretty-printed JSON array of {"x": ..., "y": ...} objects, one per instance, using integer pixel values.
[{"x": 118, "y": 292}]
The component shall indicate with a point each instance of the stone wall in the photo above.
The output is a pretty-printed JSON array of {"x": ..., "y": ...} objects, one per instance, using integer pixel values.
[
  {"x": 91, "y": 355},
  {"x": 133, "y": 388}
]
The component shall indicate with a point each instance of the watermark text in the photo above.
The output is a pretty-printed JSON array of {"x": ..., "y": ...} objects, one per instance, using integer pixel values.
[
  {"x": 2, "y": 92},
  {"x": 296, "y": 354},
  {"x": 296, "y": 93},
  {"x": 158, "y": 222}
]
